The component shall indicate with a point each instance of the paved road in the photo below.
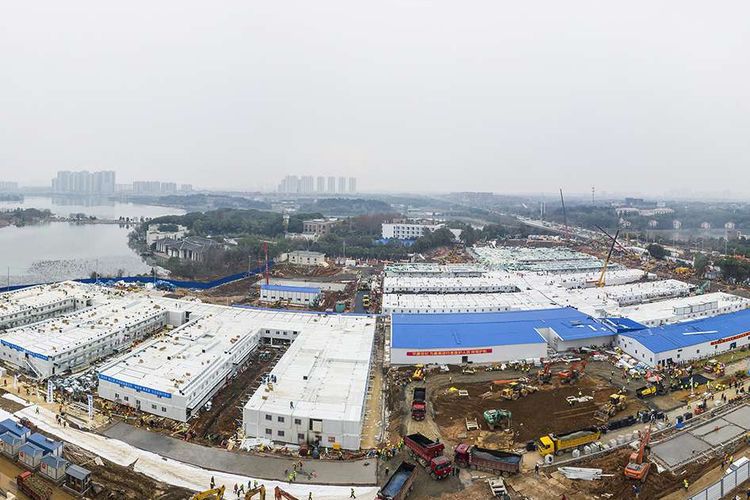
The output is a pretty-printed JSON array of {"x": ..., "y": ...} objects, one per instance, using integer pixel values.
[
  {"x": 354, "y": 473},
  {"x": 358, "y": 307}
]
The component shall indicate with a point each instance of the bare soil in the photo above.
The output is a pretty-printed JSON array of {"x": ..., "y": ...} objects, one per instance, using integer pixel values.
[{"x": 537, "y": 414}]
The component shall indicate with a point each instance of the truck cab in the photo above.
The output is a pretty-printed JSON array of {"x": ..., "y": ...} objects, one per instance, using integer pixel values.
[
  {"x": 546, "y": 446},
  {"x": 440, "y": 467}
]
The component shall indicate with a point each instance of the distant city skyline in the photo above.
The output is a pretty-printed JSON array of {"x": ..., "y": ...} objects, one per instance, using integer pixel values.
[{"x": 308, "y": 184}]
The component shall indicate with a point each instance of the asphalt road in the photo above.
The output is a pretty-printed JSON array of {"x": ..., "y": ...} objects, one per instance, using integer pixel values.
[
  {"x": 358, "y": 307},
  {"x": 331, "y": 472}
]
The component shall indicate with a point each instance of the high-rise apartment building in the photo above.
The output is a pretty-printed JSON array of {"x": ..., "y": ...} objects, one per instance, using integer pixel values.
[
  {"x": 342, "y": 185},
  {"x": 84, "y": 182},
  {"x": 352, "y": 184},
  {"x": 331, "y": 185},
  {"x": 321, "y": 184}
]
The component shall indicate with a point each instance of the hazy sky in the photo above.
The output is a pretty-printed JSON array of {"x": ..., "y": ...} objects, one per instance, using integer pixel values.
[{"x": 423, "y": 96}]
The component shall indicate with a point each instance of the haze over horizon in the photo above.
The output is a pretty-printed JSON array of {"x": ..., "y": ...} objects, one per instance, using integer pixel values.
[{"x": 642, "y": 97}]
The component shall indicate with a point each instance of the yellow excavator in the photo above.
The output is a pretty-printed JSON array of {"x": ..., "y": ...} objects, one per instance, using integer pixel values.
[{"x": 212, "y": 494}]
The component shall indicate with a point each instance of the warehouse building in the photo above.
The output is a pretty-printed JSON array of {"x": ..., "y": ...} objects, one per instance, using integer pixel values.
[
  {"x": 298, "y": 295},
  {"x": 79, "y": 339},
  {"x": 689, "y": 340},
  {"x": 407, "y": 231},
  {"x": 493, "y": 337},
  {"x": 317, "y": 392},
  {"x": 590, "y": 280},
  {"x": 37, "y": 303}
]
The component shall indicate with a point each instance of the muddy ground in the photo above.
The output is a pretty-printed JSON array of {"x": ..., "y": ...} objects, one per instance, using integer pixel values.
[
  {"x": 116, "y": 481},
  {"x": 218, "y": 425},
  {"x": 537, "y": 414}
]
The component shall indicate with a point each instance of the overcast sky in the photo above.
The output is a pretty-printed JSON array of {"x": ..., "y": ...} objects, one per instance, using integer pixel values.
[{"x": 501, "y": 96}]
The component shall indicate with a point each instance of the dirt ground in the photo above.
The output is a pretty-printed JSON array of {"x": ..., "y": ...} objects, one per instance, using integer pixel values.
[
  {"x": 537, "y": 414},
  {"x": 219, "y": 424},
  {"x": 120, "y": 482}
]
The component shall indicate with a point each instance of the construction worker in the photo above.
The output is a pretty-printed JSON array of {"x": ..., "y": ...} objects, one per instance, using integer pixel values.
[
  {"x": 685, "y": 484},
  {"x": 536, "y": 469},
  {"x": 213, "y": 483},
  {"x": 352, "y": 494},
  {"x": 309, "y": 496},
  {"x": 387, "y": 470}
]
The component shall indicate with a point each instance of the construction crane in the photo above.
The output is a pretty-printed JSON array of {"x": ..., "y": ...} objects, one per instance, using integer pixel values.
[
  {"x": 259, "y": 490},
  {"x": 278, "y": 494},
  {"x": 638, "y": 467},
  {"x": 600, "y": 282},
  {"x": 565, "y": 214},
  {"x": 212, "y": 494}
]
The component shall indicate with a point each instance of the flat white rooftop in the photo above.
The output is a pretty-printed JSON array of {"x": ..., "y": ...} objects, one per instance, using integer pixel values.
[
  {"x": 70, "y": 331},
  {"x": 685, "y": 308},
  {"x": 37, "y": 297},
  {"x": 490, "y": 282},
  {"x": 433, "y": 269},
  {"x": 535, "y": 259},
  {"x": 324, "y": 373},
  {"x": 469, "y": 302}
]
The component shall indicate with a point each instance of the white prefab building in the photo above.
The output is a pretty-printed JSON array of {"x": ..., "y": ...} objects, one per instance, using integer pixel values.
[
  {"x": 305, "y": 258},
  {"x": 176, "y": 374},
  {"x": 427, "y": 269},
  {"x": 36, "y": 303},
  {"x": 318, "y": 390},
  {"x": 406, "y": 231},
  {"x": 413, "y": 303},
  {"x": 79, "y": 339},
  {"x": 685, "y": 308},
  {"x": 299, "y": 295},
  {"x": 438, "y": 284}
]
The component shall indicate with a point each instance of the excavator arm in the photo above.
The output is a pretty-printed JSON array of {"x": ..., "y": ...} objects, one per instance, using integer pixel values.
[
  {"x": 278, "y": 494},
  {"x": 212, "y": 494}
]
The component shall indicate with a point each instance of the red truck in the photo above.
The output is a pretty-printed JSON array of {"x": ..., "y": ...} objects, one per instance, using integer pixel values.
[
  {"x": 400, "y": 484},
  {"x": 429, "y": 454},
  {"x": 33, "y": 486},
  {"x": 419, "y": 403},
  {"x": 498, "y": 461}
]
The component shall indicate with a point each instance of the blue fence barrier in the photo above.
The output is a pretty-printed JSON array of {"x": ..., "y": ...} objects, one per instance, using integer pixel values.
[{"x": 197, "y": 285}]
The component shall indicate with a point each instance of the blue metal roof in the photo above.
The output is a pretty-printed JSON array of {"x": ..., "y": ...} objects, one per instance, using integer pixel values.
[
  {"x": 622, "y": 325},
  {"x": 14, "y": 428},
  {"x": 53, "y": 461},
  {"x": 31, "y": 449},
  {"x": 44, "y": 442},
  {"x": 454, "y": 330},
  {"x": 287, "y": 288},
  {"x": 11, "y": 439},
  {"x": 676, "y": 336}
]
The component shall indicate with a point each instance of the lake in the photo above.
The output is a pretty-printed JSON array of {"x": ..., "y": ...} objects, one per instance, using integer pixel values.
[{"x": 60, "y": 250}]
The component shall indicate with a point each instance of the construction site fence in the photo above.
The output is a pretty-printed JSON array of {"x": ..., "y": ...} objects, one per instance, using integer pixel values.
[
  {"x": 725, "y": 485},
  {"x": 195, "y": 285}
]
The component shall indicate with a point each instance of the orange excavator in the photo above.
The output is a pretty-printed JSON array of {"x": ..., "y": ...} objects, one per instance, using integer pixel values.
[
  {"x": 573, "y": 373},
  {"x": 544, "y": 376},
  {"x": 278, "y": 494},
  {"x": 638, "y": 466}
]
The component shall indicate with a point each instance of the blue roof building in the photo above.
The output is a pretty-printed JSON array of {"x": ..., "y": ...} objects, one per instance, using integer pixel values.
[
  {"x": 491, "y": 337},
  {"x": 30, "y": 455},
  {"x": 680, "y": 342},
  {"x": 50, "y": 446},
  {"x": 16, "y": 429}
]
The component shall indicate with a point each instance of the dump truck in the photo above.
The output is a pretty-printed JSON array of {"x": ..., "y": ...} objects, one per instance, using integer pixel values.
[
  {"x": 400, "y": 484},
  {"x": 33, "y": 486},
  {"x": 429, "y": 454},
  {"x": 559, "y": 444},
  {"x": 365, "y": 301},
  {"x": 419, "y": 403},
  {"x": 496, "y": 461}
]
